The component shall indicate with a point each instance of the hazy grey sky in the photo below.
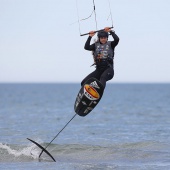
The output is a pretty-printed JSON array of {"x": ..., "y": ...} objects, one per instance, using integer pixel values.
[{"x": 39, "y": 44}]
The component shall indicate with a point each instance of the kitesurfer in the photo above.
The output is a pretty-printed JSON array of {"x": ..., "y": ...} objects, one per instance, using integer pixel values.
[{"x": 103, "y": 54}]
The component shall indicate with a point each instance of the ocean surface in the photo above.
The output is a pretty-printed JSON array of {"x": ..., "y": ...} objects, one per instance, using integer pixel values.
[{"x": 128, "y": 130}]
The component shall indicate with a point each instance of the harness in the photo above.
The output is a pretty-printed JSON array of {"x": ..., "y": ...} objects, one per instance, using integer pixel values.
[{"x": 103, "y": 55}]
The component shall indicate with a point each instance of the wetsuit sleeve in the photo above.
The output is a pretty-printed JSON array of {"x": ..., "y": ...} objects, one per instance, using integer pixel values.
[
  {"x": 88, "y": 46},
  {"x": 116, "y": 39}
]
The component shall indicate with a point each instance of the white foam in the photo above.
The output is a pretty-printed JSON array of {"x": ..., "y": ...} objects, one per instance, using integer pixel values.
[{"x": 29, "y": 151}]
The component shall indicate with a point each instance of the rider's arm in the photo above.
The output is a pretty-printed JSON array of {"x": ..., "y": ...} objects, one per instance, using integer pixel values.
[
  {"x": 88, "y": 46},
  {"x": 116, "y": 39}
]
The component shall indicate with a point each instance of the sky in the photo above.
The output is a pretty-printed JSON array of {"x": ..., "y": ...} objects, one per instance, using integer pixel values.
[{"x": 40, "y": 40}]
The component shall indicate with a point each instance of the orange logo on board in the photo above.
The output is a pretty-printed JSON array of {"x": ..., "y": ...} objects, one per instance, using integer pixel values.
[{"x": 90, "y": 92}]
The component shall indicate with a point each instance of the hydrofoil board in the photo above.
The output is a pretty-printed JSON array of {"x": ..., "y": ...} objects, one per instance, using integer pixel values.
[{"x": 88, "y": 97}]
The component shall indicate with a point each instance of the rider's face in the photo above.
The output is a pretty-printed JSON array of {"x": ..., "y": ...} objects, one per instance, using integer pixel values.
[{"x": 103, "y": 40}]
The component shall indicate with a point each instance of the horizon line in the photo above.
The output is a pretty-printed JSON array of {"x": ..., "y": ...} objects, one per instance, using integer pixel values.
[{"x": 76, "y": 82}]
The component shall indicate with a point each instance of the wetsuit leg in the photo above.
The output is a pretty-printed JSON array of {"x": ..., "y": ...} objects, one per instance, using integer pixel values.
[
  {"x": 96, "y": 74},
  {"x": 106, "y": 75}
]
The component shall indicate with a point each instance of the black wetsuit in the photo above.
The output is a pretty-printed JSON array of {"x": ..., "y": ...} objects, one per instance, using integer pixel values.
[{"x": 102, "y": 72}]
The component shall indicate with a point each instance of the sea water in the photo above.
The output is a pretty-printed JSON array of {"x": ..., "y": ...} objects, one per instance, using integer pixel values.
[{"x": 128, "y": 130}]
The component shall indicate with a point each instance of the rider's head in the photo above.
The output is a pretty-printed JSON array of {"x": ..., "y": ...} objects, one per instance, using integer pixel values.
[{"x": 103, "y": 36}]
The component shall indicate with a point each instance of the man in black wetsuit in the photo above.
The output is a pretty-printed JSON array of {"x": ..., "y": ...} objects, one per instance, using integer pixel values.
[{"x": 103, "y": 53}]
